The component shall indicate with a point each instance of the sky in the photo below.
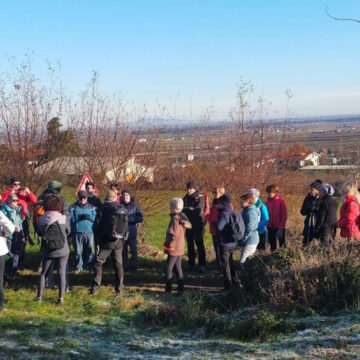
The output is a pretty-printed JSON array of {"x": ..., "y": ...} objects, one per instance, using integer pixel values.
[{"x": 189, "y": 56}]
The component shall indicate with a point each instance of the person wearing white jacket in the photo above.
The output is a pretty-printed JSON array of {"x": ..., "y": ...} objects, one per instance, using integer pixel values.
[{"x": 6, "y": 229}]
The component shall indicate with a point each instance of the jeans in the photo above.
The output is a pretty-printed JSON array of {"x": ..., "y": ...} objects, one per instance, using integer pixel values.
[
  {"x": 84, "y": 250},
  {"x": 196, "y": 236},
  {"x": 47, "y": 267},
  {"x": 216, "y": 243},
  {"x": 2, "y": 270},
  {"x": 275, "y": 234},
  {"x": 228, "y": 265},
  {"x": 247, "y": 251},
  {"x": 117, "y": 263},
  {"x": 173, "y": 261},
  {"x": 131, "y": 242},
  {"x": 263, "y": 237}
]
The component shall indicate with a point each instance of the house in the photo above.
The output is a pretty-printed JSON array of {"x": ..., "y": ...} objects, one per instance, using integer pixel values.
[
  {"x": 294, "y": 161},
  {"x": 110, "y": 169}
]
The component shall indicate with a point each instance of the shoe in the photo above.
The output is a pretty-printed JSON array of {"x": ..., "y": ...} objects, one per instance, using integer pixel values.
[
  {"x": 180, "y": 288},
  {"x": 94, "y": 291},
  {"x": 60, "y": 301},
  {"x": 38, "y": 299},
  {"x": 168, "y": 286},
  {"x": 118, "y": 292}
]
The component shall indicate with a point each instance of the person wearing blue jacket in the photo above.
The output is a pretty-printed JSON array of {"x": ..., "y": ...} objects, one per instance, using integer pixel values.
[
  {"x": 135, "y": 217},
  {"x": 251, "y": 216},
  {"x": 264, "y": 218},
  {"x": 82, "y": 217},
  {"x": 16, "y": 240}
]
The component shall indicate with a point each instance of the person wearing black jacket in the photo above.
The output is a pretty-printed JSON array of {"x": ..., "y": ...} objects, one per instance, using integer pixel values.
[
  {"x": 109, "y": 246},
  {"x": 194, "y": 209},
  {"x": 326, "y": 216},
  {"x": 227, "y": 246},
  {"x": 309, "y": 209}
]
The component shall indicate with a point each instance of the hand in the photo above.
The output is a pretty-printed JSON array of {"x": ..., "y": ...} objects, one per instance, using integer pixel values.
[
  {"x": 17, "y": 229},
  {"x": 27, "y": 190}
]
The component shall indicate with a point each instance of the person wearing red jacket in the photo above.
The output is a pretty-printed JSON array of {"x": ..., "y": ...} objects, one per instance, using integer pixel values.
[
  {"x": 26, "y": 198},
  {"x": 349, "y": 212},
  {"x": 277, "y": 216}
]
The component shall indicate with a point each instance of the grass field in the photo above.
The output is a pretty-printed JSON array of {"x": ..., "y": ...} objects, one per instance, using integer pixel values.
[{"x": 146, "y": 323}]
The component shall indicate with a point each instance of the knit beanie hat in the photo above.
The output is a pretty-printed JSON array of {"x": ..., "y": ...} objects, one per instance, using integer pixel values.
[
  {"x": 82, "y": 194},
  {"x": 328, "y": 189},
  {"x": 316, "y": 185},
  {"x": 191, "y": 185},
  {"x": 225, "y": 200},
  {"x": 54, "y": 185},
  {"x": 14, "y": 180}
]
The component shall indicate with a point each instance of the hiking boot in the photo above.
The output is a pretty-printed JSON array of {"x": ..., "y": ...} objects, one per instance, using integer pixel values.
[
  {"x": 118, "y": 292},
  {"x": 168, "y": 286},
  {"x": 180, "y": 288},
  {"x": 60, "y": 301},
  {"x": 94, "y": 291}
]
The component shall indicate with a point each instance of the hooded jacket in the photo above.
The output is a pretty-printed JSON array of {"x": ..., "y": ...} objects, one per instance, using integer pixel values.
[
  {"x": 24, "y": 200},
  {"x": 176, "y": 232},
  {"x": 326, "y": 216},
  {"x": 264, "y": 215},
  {"x": 349, "y": 218},
  {"x": 14, "y": 215},
  {"x": 194, "y": 209},
  {"x": 277, "y": 212},
  {"x": 49, "y": 218}
]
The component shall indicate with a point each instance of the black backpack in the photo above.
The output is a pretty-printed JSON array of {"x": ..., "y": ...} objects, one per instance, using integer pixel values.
[
  {"x": 236, "y": 227},
  {"x": 54, "y": 237},
  {"x": 118, "y": 224}
]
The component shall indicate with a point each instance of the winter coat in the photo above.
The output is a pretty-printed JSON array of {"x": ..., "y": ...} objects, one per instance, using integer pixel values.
[
  {"x": 194, "y": 209},
  {"x": 14, "y": 215},
  {"x": 326, "y": 217},
  {"x": 277, "y": 212},
  {"x": 82, "y": 218},
  {"x": 94, "y": 201},
  {"x": 251, "y": 216},
  {"x": 176, "y": 233},
  {"x": 24, "y": 200},
  {"x": 212, "y": 218},
  {"x": 6, "y": 229},
  {"x": 47, "y": 219},
  {"x": 264, "y": 215},
  {"x": 108, "y": 208},
  {"x": 135, "y": 217},
  {"x": 349, "y": 218},
  {"x": 223, "y": 225},
  {"x": 309, "y": 209}
]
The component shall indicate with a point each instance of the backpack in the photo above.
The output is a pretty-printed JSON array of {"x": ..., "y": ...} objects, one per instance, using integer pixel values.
[
  {"x": 118, "y": 224},
  {"x": 237, "y": 227},
  {"x": 38, "y": 211},
  {"x": 54, "y": 237}
]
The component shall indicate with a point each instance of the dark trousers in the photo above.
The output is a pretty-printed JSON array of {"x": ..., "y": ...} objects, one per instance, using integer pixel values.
[
  {"x": 273, "y": 237},
  {"x": 228, "y": 266},
  {"x": 173, "y": 261},
  {"x": 2, "y": 270},
  {"x": 216, "y": 243},
  {"x": 16, "y": 248},
  {"x": 263, "y": 237},
  {"x": 47, "y": 267},
  {"x": 117, "y": 263},
  {"x": 195, "y": 236},
  {"x": 131, "y": 243}
]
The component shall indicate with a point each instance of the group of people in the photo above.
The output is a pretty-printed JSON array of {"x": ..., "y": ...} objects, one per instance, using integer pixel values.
[
  {"x": 99, "y": 229},
  {"x": 259, "y": 224},
  {"x": 95, "y": 229}
]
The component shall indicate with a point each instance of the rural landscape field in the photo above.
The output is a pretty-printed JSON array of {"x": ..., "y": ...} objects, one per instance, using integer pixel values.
[{"x": 146, "y": 102}]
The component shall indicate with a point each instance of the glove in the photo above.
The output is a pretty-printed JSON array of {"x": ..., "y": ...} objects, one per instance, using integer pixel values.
[
  {"x": 83, "y": 217},
  {"x": 280, "y": 233}
]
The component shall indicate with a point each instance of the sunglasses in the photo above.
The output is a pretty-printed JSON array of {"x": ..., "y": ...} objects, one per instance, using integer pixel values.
[
  {"x": 83, "y": 197},
  {"x": 14, "y": 201}
]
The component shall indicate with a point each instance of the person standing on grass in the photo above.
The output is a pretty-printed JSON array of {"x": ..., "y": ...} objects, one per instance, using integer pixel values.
[
  {"x": 174, "y": 244},
  {"x": 54, "y": 228},
  {"x": 277, "y": 216},
  {"x": 212, "y": 219},
  {"x": 16, "y": 240},
  {"x": 114, "y": 230},
  {"x": 325, "y": 228},
  {"x": 194, "y": 210},
  {"x": 227, "y": 243},
  {"x": 135, "y": 217},
  {"x": 310, "y": 208},
  {"x": 6, "y": 229},
  {"x": 264, "y": 217},
  {"x": 95, "y": 201},
  {"x": 349, "y": 221},
  {"x": 82, "y": 218}
]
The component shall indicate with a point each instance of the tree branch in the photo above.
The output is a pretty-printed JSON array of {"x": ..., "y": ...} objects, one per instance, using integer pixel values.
[{"x": 339, "y": 19}]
